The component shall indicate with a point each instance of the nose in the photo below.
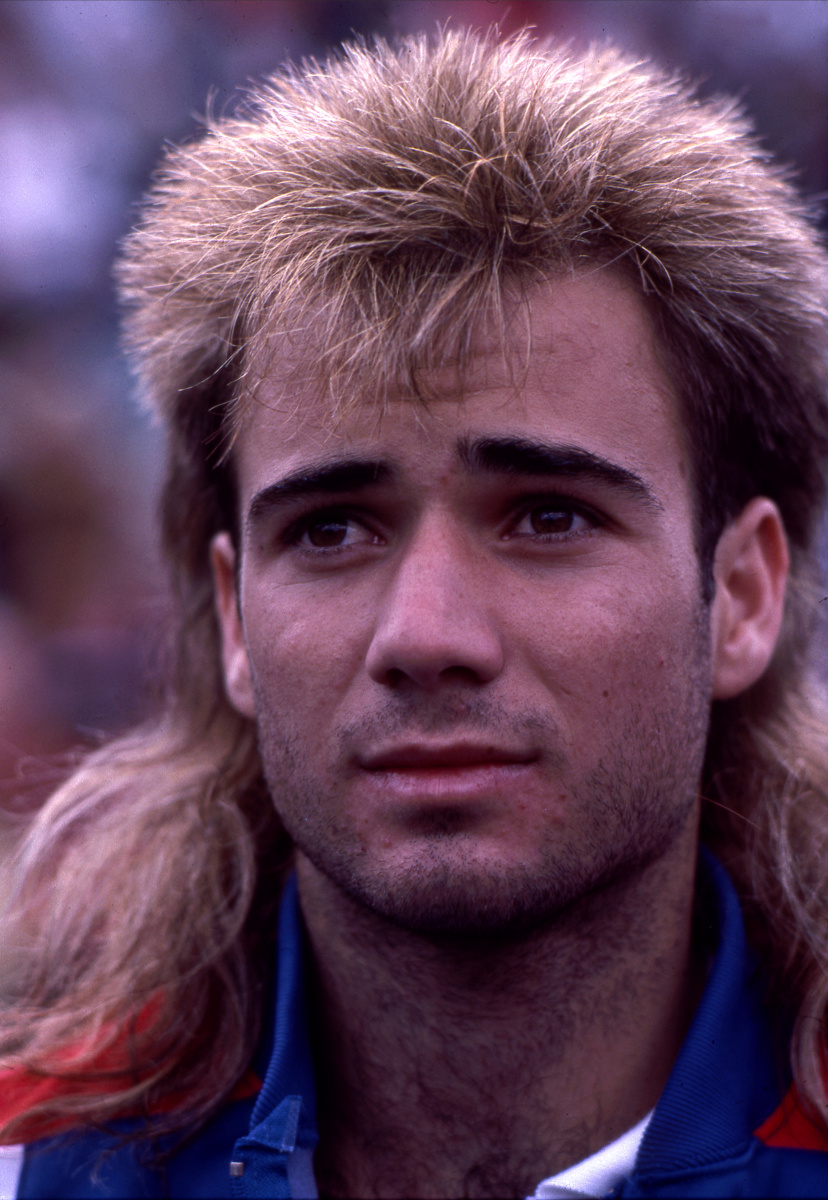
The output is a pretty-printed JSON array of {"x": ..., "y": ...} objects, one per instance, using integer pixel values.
[{"x": 437, "y": 621}]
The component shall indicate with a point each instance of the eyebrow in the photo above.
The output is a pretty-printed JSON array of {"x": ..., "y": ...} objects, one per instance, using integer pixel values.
[
  {"x": 326, "y": 479},
  {"x": 497, "y": 456},
  {"x": 527, "y": 458}
]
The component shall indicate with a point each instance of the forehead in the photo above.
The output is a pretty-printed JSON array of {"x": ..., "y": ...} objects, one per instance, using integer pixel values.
[{"x": 577, "y": 366}]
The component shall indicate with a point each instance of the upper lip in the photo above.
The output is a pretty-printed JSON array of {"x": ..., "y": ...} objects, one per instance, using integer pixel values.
[{"x": 451, "y": 754}]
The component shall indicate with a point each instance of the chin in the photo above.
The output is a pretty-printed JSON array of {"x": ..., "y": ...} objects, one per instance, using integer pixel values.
[{"x": 442, "y": 892}]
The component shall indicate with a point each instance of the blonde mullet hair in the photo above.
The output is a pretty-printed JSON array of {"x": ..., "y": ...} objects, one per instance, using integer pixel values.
[{"x": 367, "y": 213}]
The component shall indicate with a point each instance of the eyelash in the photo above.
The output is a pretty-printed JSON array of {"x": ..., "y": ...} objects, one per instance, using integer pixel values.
[
  {"x": 332, "y": 516},
  {"x": 343, "y": 516},
  {"x": 562, "y": 504}
]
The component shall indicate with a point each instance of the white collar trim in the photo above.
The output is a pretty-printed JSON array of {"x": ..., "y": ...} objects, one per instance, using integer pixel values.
[{"x": 598, "y": 1174}]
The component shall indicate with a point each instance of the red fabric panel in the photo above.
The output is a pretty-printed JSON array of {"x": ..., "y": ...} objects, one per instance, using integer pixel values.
[
  {"x": 21, "y": 1090},
  {"x": 790, "y": 1128}
]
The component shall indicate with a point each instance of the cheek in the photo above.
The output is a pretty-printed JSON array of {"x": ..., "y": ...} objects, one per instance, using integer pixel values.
[
  {"x": 620, "y": 647},
  {"x": 304, "y": 655}
]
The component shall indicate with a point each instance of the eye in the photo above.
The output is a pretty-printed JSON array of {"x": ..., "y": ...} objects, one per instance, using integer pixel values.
[
  {"x": 331, "y": 531},
  {"x": 554, "y": 518}
]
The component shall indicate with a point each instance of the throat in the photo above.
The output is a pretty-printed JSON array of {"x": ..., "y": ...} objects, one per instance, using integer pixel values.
[{"x": 451, "y": 1068}]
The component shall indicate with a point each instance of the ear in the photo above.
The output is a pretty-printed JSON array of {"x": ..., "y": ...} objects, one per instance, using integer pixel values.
[
  {"x": 238, "y": 676},
  {"x": 751, "y": 570}
]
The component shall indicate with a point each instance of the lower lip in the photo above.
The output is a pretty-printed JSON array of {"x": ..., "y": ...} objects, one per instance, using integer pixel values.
[{"x": 450, "y": 784}]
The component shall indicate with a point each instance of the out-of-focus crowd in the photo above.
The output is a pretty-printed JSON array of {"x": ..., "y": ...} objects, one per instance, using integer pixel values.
[{"x": 89, "y": 92}]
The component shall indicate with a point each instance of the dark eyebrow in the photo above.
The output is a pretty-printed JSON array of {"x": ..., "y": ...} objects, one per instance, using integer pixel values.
[
  {"x": 326, "y": 479},
  {"x": 525, "y": 457}
]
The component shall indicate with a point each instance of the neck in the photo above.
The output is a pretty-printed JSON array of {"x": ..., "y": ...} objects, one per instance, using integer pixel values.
[{"x": 457, "y": 1067}]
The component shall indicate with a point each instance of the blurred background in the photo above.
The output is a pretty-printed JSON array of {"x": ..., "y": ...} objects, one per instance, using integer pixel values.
[{"x": 89, "y": 92}]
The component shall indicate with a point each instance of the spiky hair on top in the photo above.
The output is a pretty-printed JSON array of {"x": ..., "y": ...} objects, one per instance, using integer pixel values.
[{"x": 374, "y": 208}]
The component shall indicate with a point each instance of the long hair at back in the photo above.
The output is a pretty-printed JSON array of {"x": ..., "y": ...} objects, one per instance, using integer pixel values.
[{"x": 371, "y": 211}]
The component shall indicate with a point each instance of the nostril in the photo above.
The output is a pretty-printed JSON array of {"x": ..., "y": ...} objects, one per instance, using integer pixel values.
[{"x": 398, "y": 678}]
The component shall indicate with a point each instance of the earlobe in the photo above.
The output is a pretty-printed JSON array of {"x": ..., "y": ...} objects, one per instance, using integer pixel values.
[
  {"x": 238, "y": 679},
  {"x": 751, "y": 569}
]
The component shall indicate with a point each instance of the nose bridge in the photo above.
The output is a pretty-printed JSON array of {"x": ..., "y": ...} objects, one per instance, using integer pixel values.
[{"x": 436, "y": 616}]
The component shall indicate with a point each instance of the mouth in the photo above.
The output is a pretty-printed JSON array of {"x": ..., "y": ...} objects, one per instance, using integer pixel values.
[
  {"x": 422, "y": 756},
  {"x": 476, "y": 781}
]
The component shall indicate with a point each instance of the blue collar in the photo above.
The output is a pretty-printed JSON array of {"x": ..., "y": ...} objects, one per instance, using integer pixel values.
[
  {"x": 276, "y": 1155},
  {"x": 727, "y": 1078},
  {"x": 291, "y": 1067}
]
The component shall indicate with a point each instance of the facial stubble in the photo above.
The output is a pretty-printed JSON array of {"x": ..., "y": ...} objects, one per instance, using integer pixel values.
[{"x": 632, "y": 806}]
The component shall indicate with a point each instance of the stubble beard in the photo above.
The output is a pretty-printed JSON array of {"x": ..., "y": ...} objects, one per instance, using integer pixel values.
[{"x": 632, "y": 806}]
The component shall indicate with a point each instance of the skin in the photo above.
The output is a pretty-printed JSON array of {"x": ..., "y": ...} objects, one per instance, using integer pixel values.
[{"x": 482, "y": 695}]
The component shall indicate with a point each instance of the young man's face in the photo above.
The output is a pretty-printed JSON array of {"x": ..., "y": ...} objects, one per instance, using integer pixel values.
[{"x": 472, "y": 635}]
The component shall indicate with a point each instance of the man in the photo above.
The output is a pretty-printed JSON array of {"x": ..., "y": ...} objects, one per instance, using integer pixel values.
[{"x": 494, "y": 383}]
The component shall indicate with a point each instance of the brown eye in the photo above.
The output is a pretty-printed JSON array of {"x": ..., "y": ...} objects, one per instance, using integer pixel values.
[
  {"x": 555, "y": 519},
  {"x": 331, "y": 531},
  {"x": 325, "y": 534},
  {"x": 551, "y": 520}
]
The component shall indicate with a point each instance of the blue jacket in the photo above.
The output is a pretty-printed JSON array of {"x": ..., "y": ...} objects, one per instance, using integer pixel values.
[{"x": 719, "y": 1129}]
